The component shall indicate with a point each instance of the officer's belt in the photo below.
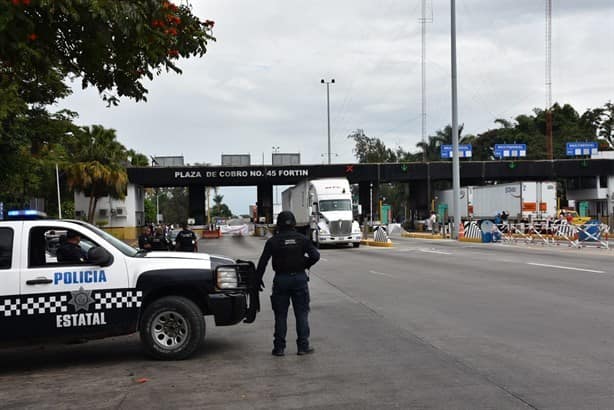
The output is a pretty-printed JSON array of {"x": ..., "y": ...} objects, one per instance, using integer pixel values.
[{"x": 289, "y": 273}]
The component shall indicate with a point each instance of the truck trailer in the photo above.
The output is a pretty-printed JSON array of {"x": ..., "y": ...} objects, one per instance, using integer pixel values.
[
  {"x": 520, "y": 200},
  {"x": 323, "y": 211}
]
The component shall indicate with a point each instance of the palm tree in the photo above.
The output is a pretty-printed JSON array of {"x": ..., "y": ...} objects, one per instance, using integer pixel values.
[
  {"x": 431, "y": 147},
  {"x": 97, "y": 169}
]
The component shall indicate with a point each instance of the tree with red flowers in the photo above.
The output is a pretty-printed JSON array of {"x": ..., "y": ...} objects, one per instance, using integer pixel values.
[
  {"x": 110, "y": 45},
  {"x": 47, "y": 45}
]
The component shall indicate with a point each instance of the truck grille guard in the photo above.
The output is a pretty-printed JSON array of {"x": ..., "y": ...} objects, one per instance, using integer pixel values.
[{"x": 248, "y": 279}]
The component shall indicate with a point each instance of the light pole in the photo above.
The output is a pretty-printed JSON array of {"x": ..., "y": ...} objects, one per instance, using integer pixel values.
[
  {"x": 455, "y": 158},
  {"x": 57, "y": 182},
  {"x": 328, "y": 83}
]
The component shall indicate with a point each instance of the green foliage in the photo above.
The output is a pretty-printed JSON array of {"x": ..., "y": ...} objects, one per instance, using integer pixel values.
[
  {"x": 150, "y": 210},
  {"x": 97, "y": 166},
  {"x": 110, "y": 45},
  {"x": 172, "y": 202},
  {"x": 113, "y": 46},
  {"x": 220, "y": 209}
]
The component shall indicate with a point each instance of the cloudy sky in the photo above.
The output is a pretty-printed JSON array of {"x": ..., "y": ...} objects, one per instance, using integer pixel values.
[{"x": 259, "y": 84}]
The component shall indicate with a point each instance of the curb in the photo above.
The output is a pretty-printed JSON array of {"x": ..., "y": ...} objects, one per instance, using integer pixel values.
[
  {"x": 474, "y": 240},
  {"x": 420, "y": 235},
  {"x": 370, "y": 242}
]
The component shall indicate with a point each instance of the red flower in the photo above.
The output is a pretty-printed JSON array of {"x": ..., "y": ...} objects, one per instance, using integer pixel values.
[
  {"x": 16, "y": 2},
  {"x": 173, "y": 53},
  {"x": 172, "y": 31},
  {"x": 32, "y": 36},
  {"x": 26, "y": 2}
]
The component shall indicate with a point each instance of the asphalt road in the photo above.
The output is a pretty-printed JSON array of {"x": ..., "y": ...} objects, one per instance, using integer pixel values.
[{"x": 426, "y": 324}]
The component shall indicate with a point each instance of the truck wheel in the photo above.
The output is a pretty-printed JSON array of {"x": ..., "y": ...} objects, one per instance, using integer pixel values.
[
  {"x": 172, "y": 328},
  {"x": 355, "y": 244}
]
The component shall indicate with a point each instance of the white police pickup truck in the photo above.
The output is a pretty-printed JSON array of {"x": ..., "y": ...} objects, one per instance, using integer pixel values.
[{"x": 115, "y": 290}]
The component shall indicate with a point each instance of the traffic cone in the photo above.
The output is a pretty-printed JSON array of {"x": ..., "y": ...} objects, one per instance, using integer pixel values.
[{"x": 461, "y": 231}]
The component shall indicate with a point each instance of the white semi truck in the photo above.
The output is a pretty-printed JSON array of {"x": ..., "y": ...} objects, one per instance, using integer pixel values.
[
  {"x": 521, "y": 200},
  {"x": 323, "y": 211}
]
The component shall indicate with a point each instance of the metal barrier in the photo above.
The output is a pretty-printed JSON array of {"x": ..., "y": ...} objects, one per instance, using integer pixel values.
[{"x": 548, "y": 233}]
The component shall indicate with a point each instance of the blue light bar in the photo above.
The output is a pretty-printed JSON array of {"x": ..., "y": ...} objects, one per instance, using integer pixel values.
[{"x": 22, "y": 213}]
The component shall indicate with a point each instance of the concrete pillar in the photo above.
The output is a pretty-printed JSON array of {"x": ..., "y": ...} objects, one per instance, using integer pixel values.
[
  {"x": 196, "y": 204},
  {"x": 363, "y": 200},
  {"x": 265, "y": 202},
  {"x": 610, "y": 201}
]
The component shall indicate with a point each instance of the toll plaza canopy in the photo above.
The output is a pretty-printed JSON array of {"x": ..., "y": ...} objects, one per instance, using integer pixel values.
[
  {"x": 373, "y": 173},
  {"x": 417, "y": 175}
]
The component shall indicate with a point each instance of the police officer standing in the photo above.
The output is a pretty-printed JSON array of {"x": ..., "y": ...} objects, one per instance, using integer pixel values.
[
  {"x": 186, "y": 240},
  {"x": 145, "y": 239},
  {"x": 292, "y": 253}
]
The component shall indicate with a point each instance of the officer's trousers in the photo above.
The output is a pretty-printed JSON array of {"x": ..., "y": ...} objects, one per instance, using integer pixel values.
[{"x": 285, "y": 288}]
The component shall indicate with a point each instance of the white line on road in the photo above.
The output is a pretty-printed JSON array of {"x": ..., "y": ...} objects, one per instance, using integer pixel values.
[
  {"x": 380, "y": 273},
  {"x": 324, "y": 259},
  {"x": 434, "y": 251},
  {"x": 564, "y": 267}
]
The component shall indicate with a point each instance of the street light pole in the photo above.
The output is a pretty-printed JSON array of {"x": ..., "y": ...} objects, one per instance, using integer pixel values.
[
  {"x": 332, "y": 81},
  {"x": 455, "y": 158},
  {"x": 57, "y": 182}
]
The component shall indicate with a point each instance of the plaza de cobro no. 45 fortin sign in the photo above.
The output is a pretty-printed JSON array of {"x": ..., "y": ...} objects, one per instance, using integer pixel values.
[{"x": 241, "y": 173}]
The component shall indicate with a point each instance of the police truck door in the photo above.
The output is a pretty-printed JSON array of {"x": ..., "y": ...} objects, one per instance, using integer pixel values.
[
  {"x": 66, "y": 298},
  {"x": 9, "y": 277}
]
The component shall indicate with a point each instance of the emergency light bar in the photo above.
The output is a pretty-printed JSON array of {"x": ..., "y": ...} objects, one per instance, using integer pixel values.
[{"x": 17, "y": 214}]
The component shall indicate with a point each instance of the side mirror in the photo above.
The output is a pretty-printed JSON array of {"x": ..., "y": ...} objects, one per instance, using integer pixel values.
[{"x": 98, "y": 255}]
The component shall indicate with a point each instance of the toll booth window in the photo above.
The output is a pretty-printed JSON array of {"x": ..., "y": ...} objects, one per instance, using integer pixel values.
[
  {"x": 57, "y": 246},
  {"x": 6, "y": 248}
]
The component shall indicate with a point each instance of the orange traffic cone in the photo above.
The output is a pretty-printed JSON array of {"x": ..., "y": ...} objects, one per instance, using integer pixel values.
[{"x": 461, "y": 231}]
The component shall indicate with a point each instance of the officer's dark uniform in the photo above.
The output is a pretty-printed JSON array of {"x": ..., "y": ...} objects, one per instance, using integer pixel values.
[
  {"x": 145, "y": 239},
  {"x": 186, "y": 240},
  {"x": 159, "y": 243},
  {"x": 292, "y": 253},
  {"x": 70, "y": 252}
]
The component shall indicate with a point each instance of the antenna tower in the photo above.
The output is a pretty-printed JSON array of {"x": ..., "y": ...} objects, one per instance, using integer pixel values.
[{"x": 549, "y": 79}]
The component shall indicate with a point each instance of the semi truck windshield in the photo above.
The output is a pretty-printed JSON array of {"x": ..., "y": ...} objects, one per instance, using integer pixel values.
[{"x": 335, "y": 205}]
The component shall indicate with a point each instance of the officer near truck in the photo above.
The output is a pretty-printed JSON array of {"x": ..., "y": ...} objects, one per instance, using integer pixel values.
[{"x": 292, "y": 254}]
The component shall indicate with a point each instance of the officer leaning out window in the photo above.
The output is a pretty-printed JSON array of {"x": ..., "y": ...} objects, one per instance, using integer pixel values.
[
  {"x": 292, "y": 253},
  {"x": 70, "y": 251}
]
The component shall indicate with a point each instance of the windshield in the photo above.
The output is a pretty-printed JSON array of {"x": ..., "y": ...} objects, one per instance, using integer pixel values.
[
  {"x": 120, "y": 245},
  {"x": 335, "y": 205}
]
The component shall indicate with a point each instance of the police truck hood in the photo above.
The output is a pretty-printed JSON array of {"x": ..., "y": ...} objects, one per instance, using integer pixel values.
[{"x": 178, "y": 255}]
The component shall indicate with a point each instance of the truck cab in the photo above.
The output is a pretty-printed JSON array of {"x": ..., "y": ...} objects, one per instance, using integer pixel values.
[{"x": 114, "y": 289}]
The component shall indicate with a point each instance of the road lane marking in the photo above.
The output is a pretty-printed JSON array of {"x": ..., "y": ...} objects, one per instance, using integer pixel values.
[
  {"x": 434, "y": 251},
  {"x": 324, "y": 259},
  {"x": 565, "y": 267},
  {"x": 380, "y": 273}
]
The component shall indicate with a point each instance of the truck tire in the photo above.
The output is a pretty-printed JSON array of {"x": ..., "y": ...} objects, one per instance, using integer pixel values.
[
  {"x": 172, "y": 328},
  {"x": 356, "y": 244}
]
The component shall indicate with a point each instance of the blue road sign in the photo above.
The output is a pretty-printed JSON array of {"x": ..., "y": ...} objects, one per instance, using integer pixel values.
[
  {"x": 464, "y": 151},
  {"x": 510, "y": 150},
  {"x": 577, "y": 149}
]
